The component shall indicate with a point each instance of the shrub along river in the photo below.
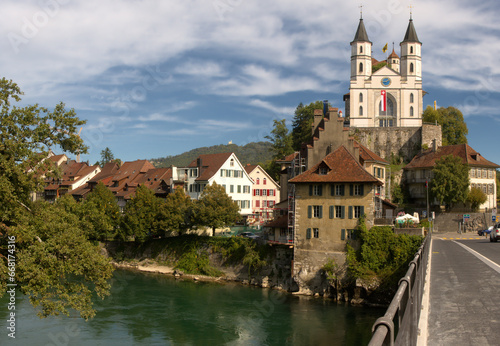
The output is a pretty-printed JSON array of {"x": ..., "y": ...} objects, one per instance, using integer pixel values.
[{"x": 155, "y": 309}]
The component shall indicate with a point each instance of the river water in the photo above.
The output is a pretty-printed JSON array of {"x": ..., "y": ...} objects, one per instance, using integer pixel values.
[{"x": 154, "y": 309}]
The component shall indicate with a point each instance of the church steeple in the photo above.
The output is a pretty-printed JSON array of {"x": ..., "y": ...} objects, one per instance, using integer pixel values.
[
  {"x": 411, "y": 54},
  {"x": 361, "y": 53},
  {"x": 361, "y": 35},
  {"x": 411, "y": 33}
]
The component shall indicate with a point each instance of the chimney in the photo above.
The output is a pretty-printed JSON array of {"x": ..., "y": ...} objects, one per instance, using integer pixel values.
[{"x": 434, "y": 145}]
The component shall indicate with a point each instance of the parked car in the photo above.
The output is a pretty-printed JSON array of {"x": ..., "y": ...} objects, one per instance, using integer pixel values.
[
  {"x": 495, "y": 232},
  {"x": 482, "y": 232},
  {"x": 249, "y": 235}
]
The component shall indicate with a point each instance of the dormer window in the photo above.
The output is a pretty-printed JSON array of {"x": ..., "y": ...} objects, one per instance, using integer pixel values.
[
  {"x": 323, "y": 171},
  {"x": 231, "y": 163}
]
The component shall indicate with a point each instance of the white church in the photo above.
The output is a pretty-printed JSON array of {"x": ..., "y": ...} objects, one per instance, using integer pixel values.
[{"x": 400, "y": 80}]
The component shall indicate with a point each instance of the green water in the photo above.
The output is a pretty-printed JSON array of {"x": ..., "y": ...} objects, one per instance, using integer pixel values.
[{"x": 153, "y": 309}]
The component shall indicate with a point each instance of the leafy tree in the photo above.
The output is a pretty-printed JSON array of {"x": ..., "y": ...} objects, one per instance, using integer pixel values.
[
  {"x": 476, "y": 197},
  {"x": 280, "y": 139},
  {"x": 450, "y": 184},
  {"x": 102, "y": 213},
  {"x": 215, "y": 208},
  {"x": 175, "y": 212},
  {"x": 302, "y": 122},
  {"x": 141, "y": 215},
  {"x": 55, "y": 263},
  {"x": 107, "y": 156},
  {"x": 453, "y": 126}
]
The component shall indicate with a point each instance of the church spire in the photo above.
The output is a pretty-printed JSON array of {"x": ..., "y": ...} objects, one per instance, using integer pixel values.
[
  {"x": 411, "y": 33},
  {"x": 361, "y": 35}
]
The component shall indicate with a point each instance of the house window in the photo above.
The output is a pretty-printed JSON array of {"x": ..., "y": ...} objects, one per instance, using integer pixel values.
[
  {"x": 315, "y": 190},
  {"x": 357, "y": 190},
  {"x": 490, "y": 174},
  {"x": 473, "y": 173},
  {"x": 338, "y": 190},
  {"x": 315, "y": 211},
  {"x": 490, "y": 189},
  {"x": 308, "y": 233},
  {"x": 484, "y": 172},
  {"x": 231, "y": 188},
  {"x": 258, "y": 181},
  {"x": 411, "y": 98},
  {"x": 411, "y": 111},
  {"x": 323, "y": 170},
  {"x": 360, "y": 110},
  {"x": 257, "y": 204},
  {"x": 239, "y": 189},
  {"x": 264, "y": 181},
  {"x": 360, "y": 97},
  {"x": 316, "y": 232},
  {"x": 339, "y": 212},
  {"x": 231, "y": 163},
  {"x": 357, "y": 211},
  {"x": 246, "y": 189}
]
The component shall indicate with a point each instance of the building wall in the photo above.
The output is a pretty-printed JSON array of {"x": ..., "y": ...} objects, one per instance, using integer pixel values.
[
  {"x": 485, "y": 179},
  {"x": 265, "y": 195}
]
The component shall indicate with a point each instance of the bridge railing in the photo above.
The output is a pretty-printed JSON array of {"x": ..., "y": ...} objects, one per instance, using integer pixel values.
[{"x": 399, "y": 325}]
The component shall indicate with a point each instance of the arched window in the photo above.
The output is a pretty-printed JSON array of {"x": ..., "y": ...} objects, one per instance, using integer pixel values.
[
  {"x": 411, "y": 98},
  {"x": 361, "y": 49},
  {"x": 411, "y": 49},
  {"x": 264, "y": 181},
  {"x": 389, "y": 108},
  {"x": 360, "y": 97},
  {"x": 360, "y": 67},
  {"x": 411, "y": 111},
  {"x": 360, "y": 110},
  {"x": 411, "y": 68}
]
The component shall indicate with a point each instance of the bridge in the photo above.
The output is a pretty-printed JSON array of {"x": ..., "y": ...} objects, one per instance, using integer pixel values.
[{"x": 447, "y": 297}]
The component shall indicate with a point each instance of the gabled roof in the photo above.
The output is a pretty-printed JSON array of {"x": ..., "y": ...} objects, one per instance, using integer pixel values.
[
  {"x": 366, "y": 155},
  {"x": 361, "y": 35},
  {"x": 428, "y": 158},
  {"x": 129, "y": 170},
  {"x": 341, "y": 167},
  {"x": 249, "y": 168},
  {"x": 393, "y": 55},
  {"x": 209, "y": 164},
  {"x": 411, "y": 33},
  {"x": 288, "y": 158}
]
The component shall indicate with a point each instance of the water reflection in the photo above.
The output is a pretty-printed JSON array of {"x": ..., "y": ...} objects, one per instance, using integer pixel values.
[{"x": 159, "y": 310}]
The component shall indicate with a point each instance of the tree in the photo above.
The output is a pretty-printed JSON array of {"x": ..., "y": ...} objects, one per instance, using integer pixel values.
[
  {"x": 215, "y": 208},
  {"x": 302, "y": 122},
  {"x": 176, "y": 212},
  {"x": 280, "y": 139},
  {"x": 453, "y": 126},
  {"x": 107, "y": 156},
  {"x": 141, "y": 215},
  {"x": 476, "y": 197},
  {"x": 55, "y": 263},
  {"x": 101, "y": 211},
  {"x": 450, "y": 184}
]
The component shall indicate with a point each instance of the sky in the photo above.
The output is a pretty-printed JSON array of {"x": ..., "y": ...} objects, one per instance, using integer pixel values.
[{"x": 158, "y": 78}]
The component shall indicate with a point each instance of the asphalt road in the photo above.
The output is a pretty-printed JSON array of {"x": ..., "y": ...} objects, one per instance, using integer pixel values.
[{"x": 463, "y": 306}]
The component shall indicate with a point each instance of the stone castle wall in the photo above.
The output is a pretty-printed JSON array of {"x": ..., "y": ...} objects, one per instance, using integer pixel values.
[{"x": 403, "y": 141}]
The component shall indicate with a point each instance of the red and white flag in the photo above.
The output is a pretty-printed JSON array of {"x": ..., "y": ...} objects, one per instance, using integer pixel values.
[{"x": 383, "y": 94}]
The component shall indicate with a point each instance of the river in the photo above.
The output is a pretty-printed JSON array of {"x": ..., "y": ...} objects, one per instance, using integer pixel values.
[{"x": 155, "y": 309}]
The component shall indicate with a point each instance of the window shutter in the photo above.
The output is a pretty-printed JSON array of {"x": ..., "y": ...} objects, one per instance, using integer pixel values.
[
  {"x": 342, "y": 212},
  {"x": 362, "y": 189},
  {"x": 332, "y": 189},
  {"x": 331, "y": 211},
  {"x": 308, "y": 233},
  {"x": 309, "y": 211},
  {"x": 362, "y": 211},
  {"x": 350, "y": 212},
  {"x": 320, "y": 212},
  {"x": 320, "y": 190},
  {"x": 342, "y": 190},
  {"x": 351, "y": 189},
  {"x": 342, "y": 234},
  {"x": 310, "y": 190}
]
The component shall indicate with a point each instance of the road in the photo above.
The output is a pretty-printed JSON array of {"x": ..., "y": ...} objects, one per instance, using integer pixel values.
[{"x": 464, "y": 295}]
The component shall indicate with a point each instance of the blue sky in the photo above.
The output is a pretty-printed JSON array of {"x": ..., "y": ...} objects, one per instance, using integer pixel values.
[{"x": 157, "y": 78}]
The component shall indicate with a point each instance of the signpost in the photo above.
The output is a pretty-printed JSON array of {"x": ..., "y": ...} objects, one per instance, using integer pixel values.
[{"x": 466, "y": 217}]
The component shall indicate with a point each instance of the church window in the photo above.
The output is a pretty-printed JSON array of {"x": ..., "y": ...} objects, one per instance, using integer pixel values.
[
  {"x": 360, "y": 97},
  {"x": 411, "y": 68},
  {"x": 360, "y": 110},
  {"x": 411, "y": 49},
  {"x": 411, "y": 98},
  {"x": 411, "y": 111},
  {"x": 360, "y": 67},
  {"x": 361, "y": 49}
]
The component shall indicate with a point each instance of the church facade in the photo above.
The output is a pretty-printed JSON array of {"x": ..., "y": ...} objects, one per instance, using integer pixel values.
[{"x": 387, "y": 93}]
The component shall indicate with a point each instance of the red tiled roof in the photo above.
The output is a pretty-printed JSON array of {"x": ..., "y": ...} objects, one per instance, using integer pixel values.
[
  {"x": 341, "y": 167},
  {"x": 288, "y": 158},
  {"x": 469, "y": 156},
  {"x": 210, "y": 164},
  {"x": 249, "y": 168},
  {"x": 367, "y": 155},
  {"x": 393, "y": 55}
]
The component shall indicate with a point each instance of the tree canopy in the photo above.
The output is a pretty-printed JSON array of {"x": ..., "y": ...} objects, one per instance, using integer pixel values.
[
  {"x": 453, "y": 126},
  {"x": 302, "y": 122},
  {"x": 450, "y": 184},
  {"x": 108, "y": 156},
  {"x": 281, "y": 140},
  {"x": 56, "y": 266},
  {"x": 476, "y": 197}
]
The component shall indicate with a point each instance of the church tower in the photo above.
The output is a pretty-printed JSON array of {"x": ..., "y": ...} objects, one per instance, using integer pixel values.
[
  {"x": 361, "y": 54},
  {"x": 411, "y": 54}
]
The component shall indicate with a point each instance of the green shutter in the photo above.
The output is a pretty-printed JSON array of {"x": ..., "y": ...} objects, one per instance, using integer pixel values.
[
  {"x": 332, "y": 189},
  {"x": 362, "y": 189},
  {"x": 309, "y": 211},
  {"x": 362, "y": 211},
  {"x": 320, "y": 212},
  {"x": 310, "y": 190},
  {"x": 351, "y": 189},
  {"x": 342, "y": 234},
  {"x": 342, "y": 211},
  {"x": 332, "y": 211},
  {"x": 350, "y": 212},
  {"x": 308, "y": 233},
  {"x": 320, "y": 192},
  {"x": 342, "y": 190}
]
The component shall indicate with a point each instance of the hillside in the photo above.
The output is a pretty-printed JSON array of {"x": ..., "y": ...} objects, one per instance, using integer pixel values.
[{"x": 253, "y": 153}]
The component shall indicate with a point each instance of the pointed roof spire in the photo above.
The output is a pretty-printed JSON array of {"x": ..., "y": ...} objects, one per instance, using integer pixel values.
[
  {"x": 411, "y": 33},
  {"x": 361, "y": 35}
]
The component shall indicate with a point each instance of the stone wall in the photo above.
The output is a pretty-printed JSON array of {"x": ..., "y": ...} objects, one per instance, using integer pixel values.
[{"x": 403, "y": 141}]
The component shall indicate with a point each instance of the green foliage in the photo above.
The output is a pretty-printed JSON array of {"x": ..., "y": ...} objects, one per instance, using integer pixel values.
[
  {"x": 378, "y": 66},
  {"x": 102, "y": 213},
  {"x": 281, "y": 140},
  {"x": 175, "y": 213},
  {"x": 253, "y": 153},
  {"x": 381, "y": 253},
  {"x": 194, "y": 261},
  {"x": 450, "y": 184},
  {"x": 476, "y": 197},
  {"x": 332, "y": 270},
  {"x": 55, "y": 263},
  {"x": 215, "y": 209},
  {"x": 302, "y": 122},
  {"x": 453, "y": 126}
]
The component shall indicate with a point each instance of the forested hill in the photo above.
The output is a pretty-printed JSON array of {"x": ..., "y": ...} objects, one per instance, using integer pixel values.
[{"x": 253, "y": 153}]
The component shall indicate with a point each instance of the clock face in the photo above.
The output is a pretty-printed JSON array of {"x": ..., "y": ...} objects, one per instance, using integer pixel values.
[{"x": 386, "y": 81}]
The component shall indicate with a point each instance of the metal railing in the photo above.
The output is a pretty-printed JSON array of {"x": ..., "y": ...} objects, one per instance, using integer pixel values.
[{"x": 399, "y": 325}]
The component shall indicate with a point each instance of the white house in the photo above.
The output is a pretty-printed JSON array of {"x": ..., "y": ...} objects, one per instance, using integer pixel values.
[
  {"x": 265, "y": 195},
  {"x": 224, "y": 169}
]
